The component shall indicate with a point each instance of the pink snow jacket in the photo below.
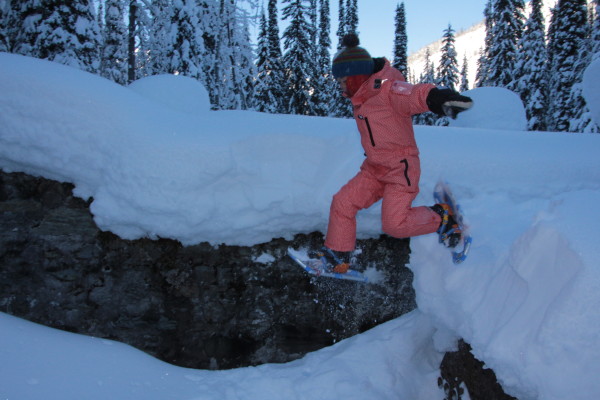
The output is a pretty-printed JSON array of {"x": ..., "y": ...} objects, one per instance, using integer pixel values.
[{"x": 383, "y": 110}]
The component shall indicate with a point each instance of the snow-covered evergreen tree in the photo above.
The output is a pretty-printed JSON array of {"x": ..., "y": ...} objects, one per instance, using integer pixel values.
[
  {"x": 348, "y": 23},
  {"x": 273, "y": 31},
  {"x": 427, "y": 76},
  {"x": 235, "y": 58},
  {"x": 278, "y": 82},
  {"x": 582, "y": 117},
  {"x": 531, "y": 70},
  {"x": 507, "y": 17},
  {"x": 299, "y": 66},
  {"x": 113, "y": 62},
  {"x": 481, "y": 77},
  {"x": 347, "y": 19},
  {"x": 4, "y": 12},
  {"x": 133, "y": 12},
  {"x": 313, "y": 21},
  {"x": 185, "y": 52},
  {"x": 159, "y": 36},
  {"x": 341, "y": 30},
  {"x": 100, "y": 18},
  {"x": 144, "y": 34},
  {"x": 464, "y": 75},
  {"x": 69, "y": 34},
  {"x": 448, "y": 74},
  {"x": 400, "y": 41},
  {"x": 566, "y": 48},
  {"x": 265, "y": 99},
  {"x": 596, "y": 31},
  {"x": 352, "y": 16},
  {"x": 209, "y": 33},
  {"x": 325, "y": 84},
  {"x": 24, "y": 25}
]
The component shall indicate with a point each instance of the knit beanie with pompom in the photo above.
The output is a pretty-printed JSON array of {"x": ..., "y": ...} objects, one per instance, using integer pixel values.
[{"x": 351, "y": 59}]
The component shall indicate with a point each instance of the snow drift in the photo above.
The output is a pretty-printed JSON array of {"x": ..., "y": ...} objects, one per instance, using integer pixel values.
[{"x": 526, "y": 299}]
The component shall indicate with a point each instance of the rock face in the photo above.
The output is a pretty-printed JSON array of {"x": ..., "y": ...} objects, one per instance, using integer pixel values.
[
  {"x": 460, "y": 368},
  {"x": 200, "y": 306}
]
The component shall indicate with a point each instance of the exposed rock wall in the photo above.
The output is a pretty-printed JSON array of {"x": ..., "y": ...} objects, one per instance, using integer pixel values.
[
  {"x": 460, "y": 370},
  {"x": 198, "y": 306}
]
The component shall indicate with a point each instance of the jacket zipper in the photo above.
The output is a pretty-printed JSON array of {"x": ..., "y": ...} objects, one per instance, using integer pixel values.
[{"x": 369, "y": 129}]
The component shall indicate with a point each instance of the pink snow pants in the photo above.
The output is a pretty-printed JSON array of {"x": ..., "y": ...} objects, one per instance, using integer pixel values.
[{"x": 397, "y": 186}]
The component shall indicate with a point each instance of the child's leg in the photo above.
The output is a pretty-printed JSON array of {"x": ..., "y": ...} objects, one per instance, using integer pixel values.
[
  {"x": 398, "y": 217},
  {"x": 360, "y": 192}
]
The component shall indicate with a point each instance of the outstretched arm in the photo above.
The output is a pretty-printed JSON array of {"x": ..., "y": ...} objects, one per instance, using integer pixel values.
[{"x": 447, "y": 102}]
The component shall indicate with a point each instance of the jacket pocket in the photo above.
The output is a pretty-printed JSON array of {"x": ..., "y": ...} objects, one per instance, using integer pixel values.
[
  {"x": 368, "y": 129},
  {"x": 405, "y": 162}
]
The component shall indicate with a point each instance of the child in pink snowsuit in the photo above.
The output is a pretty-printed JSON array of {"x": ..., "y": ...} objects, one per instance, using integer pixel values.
[{"x": 384, "y": 104}]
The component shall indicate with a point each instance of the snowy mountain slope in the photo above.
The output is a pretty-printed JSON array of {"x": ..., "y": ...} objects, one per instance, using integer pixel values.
[
  {"x": 468, "y": 43},
  {"x": 526, "y": 299}
]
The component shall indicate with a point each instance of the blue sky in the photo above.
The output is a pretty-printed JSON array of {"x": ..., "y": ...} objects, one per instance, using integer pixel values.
[{"x": 425, "y": 21}]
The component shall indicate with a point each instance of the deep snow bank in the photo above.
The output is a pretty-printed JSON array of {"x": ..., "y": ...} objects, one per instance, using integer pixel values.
[
  {"x": 237, "y": 177},
  {"x": 526, "y": 299},
  {"x": 394, "y": 360}
]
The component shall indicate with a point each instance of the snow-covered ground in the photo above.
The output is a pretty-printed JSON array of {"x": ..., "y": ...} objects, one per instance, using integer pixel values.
[{"x": 157, "y": 162}]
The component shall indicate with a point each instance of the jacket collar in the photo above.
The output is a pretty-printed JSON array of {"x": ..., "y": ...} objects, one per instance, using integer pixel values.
[{"x": 373, "y": 85}]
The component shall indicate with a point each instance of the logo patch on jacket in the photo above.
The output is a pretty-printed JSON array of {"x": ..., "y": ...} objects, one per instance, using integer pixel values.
[{"x": 403, "y": 88}]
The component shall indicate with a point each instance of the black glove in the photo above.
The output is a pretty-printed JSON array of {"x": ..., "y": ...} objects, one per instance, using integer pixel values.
[{"x": 447, "y": 102}]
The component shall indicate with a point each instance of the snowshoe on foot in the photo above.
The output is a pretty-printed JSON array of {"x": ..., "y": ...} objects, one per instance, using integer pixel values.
[
  {"x": 449, "y": 230},
  {"x": 327, "y": 263},
  {"x": 333, "y": 261}
]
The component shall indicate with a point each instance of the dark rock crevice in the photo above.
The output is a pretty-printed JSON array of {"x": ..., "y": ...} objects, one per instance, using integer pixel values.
[{"x": 199, "y": 306}]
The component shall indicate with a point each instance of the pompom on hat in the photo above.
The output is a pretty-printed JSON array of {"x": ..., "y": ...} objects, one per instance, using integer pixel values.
[{"x": 352, "y": 59}]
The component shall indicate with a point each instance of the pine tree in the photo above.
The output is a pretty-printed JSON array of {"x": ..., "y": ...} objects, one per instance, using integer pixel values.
[
  {"x": 100, "y": 18},
  {"x": 159, "y": 32},
  {"x": 185, "y": 52},
  {"x": 400, "y": 41},
  {"x": 567, "y": 37},
  {"x": 427, "y": 76},
  {"x": 278, "y": 83},
  {"x": 348, "y": 23},
  {"x": 581, "y": 120},
  {"x": 265, "y": 99},
  {"x": 596, "y": 31},
  {"x": 69, "y": 34},
  {"x": 352, "y": 16},
  {"x": 113, "y": 63},
  {"x": 481, "y": 78},
  {"x": 4, "y": 10},
  {"x": 347, "y": 19},
  {"x": 145, "y": 41},
  {"x": 464, "y": 75},
  {"x": 507, "y": 16},
  {"x": 235, "y": 58},
  {"x": 209, "y": 36},
  {"x": 273, "y": 31},
  {"x": 531, "y": 70},
  {"x": 313, "y": 21},
  {"x": 448, "y": 74},
  {"x": 342, "y": 28},
  {"x": 297, "y": 60},
  {"x": 24, "y": 25},
  {"x": 132, "y": 28},
  {"x": 325, "y": 84},
  {"x": 244, "y": 60}
]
